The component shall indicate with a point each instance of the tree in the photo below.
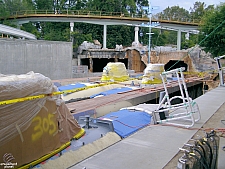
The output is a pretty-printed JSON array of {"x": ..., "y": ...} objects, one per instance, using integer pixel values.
[
  {"x": 8, "y": 7},
  {"x": 31, "y": 27},
  {"x": 57, "y": 31},
  {"x": 213, "y": 31},
  {"x": 174, "y": 13},
  {"x": 199, "y": 9},
  {"x": 43, "y": 4},
  {"x": 79, "y": 38}
]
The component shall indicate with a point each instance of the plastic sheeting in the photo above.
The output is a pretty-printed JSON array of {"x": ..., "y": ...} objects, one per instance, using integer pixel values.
[
  {"x": 152, "y": 74},
  {"x": 127, "y": 122},
  {"x": 17, "y": 117},
  {"x": 71, "y": 86},
  {"x": 112, "y": 91},
  {"x": 114, "y": 71}
]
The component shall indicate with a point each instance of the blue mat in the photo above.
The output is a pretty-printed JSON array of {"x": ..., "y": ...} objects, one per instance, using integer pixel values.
[
  {"x": 112, "y": 91},
  {"x": 127, "y": 122},
  {"x": 71, "y": 86}
]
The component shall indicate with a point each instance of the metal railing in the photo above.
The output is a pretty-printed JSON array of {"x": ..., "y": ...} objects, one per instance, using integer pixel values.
[{"x": 103, "y": 14}]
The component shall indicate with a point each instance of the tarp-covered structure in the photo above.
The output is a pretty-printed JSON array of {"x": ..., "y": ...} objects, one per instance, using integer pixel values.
[
  {"x": 115, "y": 71},
  {"x": 33, "y": 128},
  {"x": 152, "y": 74}
]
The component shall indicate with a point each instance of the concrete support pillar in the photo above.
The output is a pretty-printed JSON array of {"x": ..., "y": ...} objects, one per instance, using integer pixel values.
[
  {"x": 136, "y": 29},
  {"x": 91, "y": 64},
  {"x": 178, "y": 39},
  {"x": 71, "y": 26},
  {"x": 78, "y": 60},
  {"x": 187, "y": 36},
  {"x": 104, "y": 36}
]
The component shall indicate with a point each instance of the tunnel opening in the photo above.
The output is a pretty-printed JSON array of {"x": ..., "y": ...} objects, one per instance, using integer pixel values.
[
  {"x": 99, "y": 64},
  {"x": 85, "y": 62},
  {"x": 173, "y": 64}
]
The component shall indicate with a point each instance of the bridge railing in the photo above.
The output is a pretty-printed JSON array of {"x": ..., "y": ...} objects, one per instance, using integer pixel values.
[{"x": 82, "y": 13}]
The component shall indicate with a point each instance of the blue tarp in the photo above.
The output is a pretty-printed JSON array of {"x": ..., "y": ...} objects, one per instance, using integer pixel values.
[
  {"x": 71, "y": 86},
  {"x": 112, "y": 91},
  {"x": 127, "y": 122}
]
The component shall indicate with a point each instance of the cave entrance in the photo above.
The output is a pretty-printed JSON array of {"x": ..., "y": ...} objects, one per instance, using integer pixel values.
[{"x": 173, "y": 64}]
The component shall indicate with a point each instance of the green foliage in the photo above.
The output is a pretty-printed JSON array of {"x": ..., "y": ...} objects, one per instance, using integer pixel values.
[
  {"x": 8, "y": 23},
  {"x": 30, "y": 27},
  {"x": 43, "y": 4},
  {"x": 174, "y": 13},
  {"x": 58, "y": 31},
  {"x": 122, "y": 6},
  {"x": 116, "y": 36},
  {"x": 198, "y": 10},
  {"x": 213, "y": 31},
  {"x": 79, "y": 38}
]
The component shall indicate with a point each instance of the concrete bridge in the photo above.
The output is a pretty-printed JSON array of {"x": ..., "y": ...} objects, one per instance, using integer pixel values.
[{"x": 107, "y": 18}]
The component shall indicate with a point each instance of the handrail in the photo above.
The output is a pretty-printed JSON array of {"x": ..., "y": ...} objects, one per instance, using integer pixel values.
[{"x": 102, "y": 14}]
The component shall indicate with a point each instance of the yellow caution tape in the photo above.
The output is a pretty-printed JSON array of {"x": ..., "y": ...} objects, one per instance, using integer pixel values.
[{"x": 5, "y": 102}]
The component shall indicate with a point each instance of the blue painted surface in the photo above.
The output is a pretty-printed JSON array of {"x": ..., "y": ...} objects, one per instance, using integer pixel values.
[
  {"x": 71, "y": 86},
  {"x": 127, "y": 122},
  {"x": 112, "y": 91}
]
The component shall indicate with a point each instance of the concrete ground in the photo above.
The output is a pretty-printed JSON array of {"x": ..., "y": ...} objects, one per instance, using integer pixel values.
[{"x": 156, "y": 146}]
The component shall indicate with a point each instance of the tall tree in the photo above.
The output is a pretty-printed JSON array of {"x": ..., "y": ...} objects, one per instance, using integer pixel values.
[
  {"x": 122, "y": 6},
  {"x": 213, "y": 31},
  {"x": 12, "y": 6},
  {"x": 174, "y": 13},
  {"x": 43, "y": 4},
  {"x": 199, "y": 9}
]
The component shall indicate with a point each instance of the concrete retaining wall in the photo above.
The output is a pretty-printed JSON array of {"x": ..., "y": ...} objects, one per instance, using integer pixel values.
[{"x": 50, "y": 58}]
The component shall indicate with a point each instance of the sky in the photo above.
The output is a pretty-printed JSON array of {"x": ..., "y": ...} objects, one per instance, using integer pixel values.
[{"x": 186, "y": 4}]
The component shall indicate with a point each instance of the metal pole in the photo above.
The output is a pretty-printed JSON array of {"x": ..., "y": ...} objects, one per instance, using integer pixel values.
[
  {"x": 149, "y": 42},
  {"x": 104, "y": 36}
]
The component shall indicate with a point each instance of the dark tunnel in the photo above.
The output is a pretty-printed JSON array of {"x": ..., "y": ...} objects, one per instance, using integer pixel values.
[{"x": 173, "y": 64}]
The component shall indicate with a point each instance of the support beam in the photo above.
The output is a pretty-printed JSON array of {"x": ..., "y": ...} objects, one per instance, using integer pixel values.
[
  {"x": 136, "y": 29},
  {"x": 71, "y": 26},
  {"x": 187, "y": 36},
  {"x": 179, "y": 39},
  {"x": 104, "y": 36}
]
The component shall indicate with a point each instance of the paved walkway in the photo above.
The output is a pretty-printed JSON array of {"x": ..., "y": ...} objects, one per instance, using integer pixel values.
[{"x": 155, "y": 147}]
